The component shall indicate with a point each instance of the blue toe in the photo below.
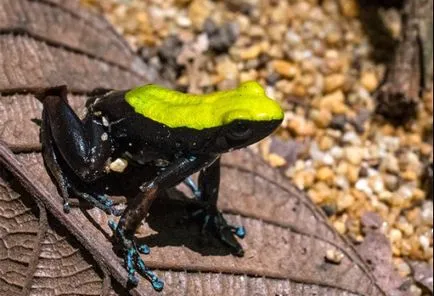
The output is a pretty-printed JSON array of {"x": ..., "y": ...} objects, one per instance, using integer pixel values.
[{"x": 240, "y": 232}]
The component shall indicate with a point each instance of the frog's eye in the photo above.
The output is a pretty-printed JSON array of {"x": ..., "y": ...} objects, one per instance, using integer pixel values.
[{"x": 239, "y": 130}]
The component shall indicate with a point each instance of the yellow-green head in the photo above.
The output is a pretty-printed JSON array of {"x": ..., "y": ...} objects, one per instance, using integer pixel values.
[{"x": 175, "y": 109}]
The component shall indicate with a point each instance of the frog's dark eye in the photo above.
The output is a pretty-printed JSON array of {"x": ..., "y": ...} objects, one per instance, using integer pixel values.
[{"x": 239, "y": 131}]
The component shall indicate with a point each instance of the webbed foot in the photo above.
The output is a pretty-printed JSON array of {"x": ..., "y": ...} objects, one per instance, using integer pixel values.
[
  {"x": 132, "y": 260},
  {"x": 217, "y": 224},
  {"x": 100, "y": 201}
]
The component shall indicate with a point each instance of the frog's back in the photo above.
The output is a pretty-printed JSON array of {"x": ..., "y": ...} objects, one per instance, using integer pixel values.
[{"x": 176, "y": 109}]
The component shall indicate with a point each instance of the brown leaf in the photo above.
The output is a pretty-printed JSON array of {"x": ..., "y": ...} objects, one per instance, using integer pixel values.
[{"x": 45, "y": 251}]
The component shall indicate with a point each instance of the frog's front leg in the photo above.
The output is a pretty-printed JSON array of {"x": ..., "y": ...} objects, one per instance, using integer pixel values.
[
  {"x": 209, "y": 181},
  {"x": 79, "y": 145},
  {"x": 137, "y": 210}
]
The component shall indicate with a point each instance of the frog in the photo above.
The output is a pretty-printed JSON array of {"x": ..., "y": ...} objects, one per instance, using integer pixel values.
[{"x": 146, "y": 140}]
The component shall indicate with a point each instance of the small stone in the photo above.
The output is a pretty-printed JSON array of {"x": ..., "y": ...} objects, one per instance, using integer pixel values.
[
  {"x": 326, "y": 143},
  {"x": 369, "y": 80},
  {"x": 353, "y": 173},
  {"x": 329, "y": 209},
  {"x": 337, "y": 152},
  {"x": 415, "y": 290},
  {"x": 409, "y": 176},
  {"x": 427, "y": 213},
  {"x": 285, "y": 68},
  {"x": 390, "y": 164},
  {"x": 301, "y": 127},
  {"x": 340, "y": 227},
  {"x": 183, "y": 21},
  {"x": 199, "y": 11},
  {"x": 395, "y": 235},
  {"x": 376, "y": 183},
  {"x": 351, "y": 137},
  {"x": 345, "y": 202},
  {"x": 403, "y": 268},
  {"x": 251, "y": 52},
  {"x": 363, "y": 186},
  {"x": 333, "y": 102},
  {"x": 334, "y": 256},
  {"x": 248, "y": 75},
  {"x": 276, "y": 160},
  {"x": 349, "y": 8},
  {"x": 418, "y": 194},
  {"x": 385, "y": 196},
  {"x": 333, "y": 82},
  {"x": 325, "y": 174},
  {"x": 391, "y": 182},
  {"x": 342, "y": 182},
  {"x": 424, "y": 242},
  {"x": 315, "y": 196},
  {"x": 406, "y": 228},
  {"x": 227, "y": 68},
  {"x": 338, "y": 122},
  {"x": 354, "y": 155},
  {"x": 322, "y": 117}
]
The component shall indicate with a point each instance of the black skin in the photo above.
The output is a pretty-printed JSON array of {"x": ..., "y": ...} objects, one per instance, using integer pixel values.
[{"x": 77, "y": 152}]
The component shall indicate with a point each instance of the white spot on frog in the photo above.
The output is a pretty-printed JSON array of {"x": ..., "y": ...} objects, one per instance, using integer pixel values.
[
  {"x": 104, "y": 137},
  {"x": 119, "y": 165}
]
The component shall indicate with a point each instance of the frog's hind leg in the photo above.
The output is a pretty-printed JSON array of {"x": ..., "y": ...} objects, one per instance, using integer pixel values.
[
  {"x": 66, "y": 140},
  {"x": 50, "y": 159}
]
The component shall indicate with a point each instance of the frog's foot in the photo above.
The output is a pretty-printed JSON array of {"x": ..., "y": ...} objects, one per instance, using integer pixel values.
[
  {"x": 132, "y": 260},
  {"x": 216, "y": 223},
  {"x": 100, "y": 201},
  {"x": 193, "y": 187}
]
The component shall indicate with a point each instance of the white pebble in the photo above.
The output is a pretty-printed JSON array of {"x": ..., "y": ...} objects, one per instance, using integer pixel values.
[{"x": 363, "y": 186}]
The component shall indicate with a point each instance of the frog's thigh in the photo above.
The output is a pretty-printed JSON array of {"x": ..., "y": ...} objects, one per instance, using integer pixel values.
[{"x": 82, "y": 146}]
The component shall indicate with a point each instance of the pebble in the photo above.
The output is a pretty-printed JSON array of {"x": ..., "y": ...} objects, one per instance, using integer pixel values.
[
  {"x": 353, "y": 174},
  {"x": 333, "y": 82},
  {"x": 409, "y": 176},
  {"x": 351, "y": 137},
  {"x": 326, "y": 175},
  {"x": 251, "y": 52},
  {"x": 326, "y": 143},
  {"x": 354, "y": 155},
  {"x": 363, "y": 186},
  {"x": 390, "y": 164},
  {"x": 346, "y": 201},
  {"x": 227, "y": 68},
  {"x": 342, "y": 182},
  {"x": 334, "y": 256},
  {"x": 276, "y": 160},
  {"x": 334, "y": 102},
  {"x": 301, "y": 127},
  {"x": 199, "y": 11},
  {"x": 391, "y": 182},
  {"x": 403, "y": 268},
  {"x": 349, "y": 8},
  {"x": 395, "y": 235},
  {"x": 427, "y": 213},
  {"x": 369, "y": 80},
  {"x": 285, "y": 68},
  {"x": 322, "y": 118},
  {"x": 183, "y": 21}
]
